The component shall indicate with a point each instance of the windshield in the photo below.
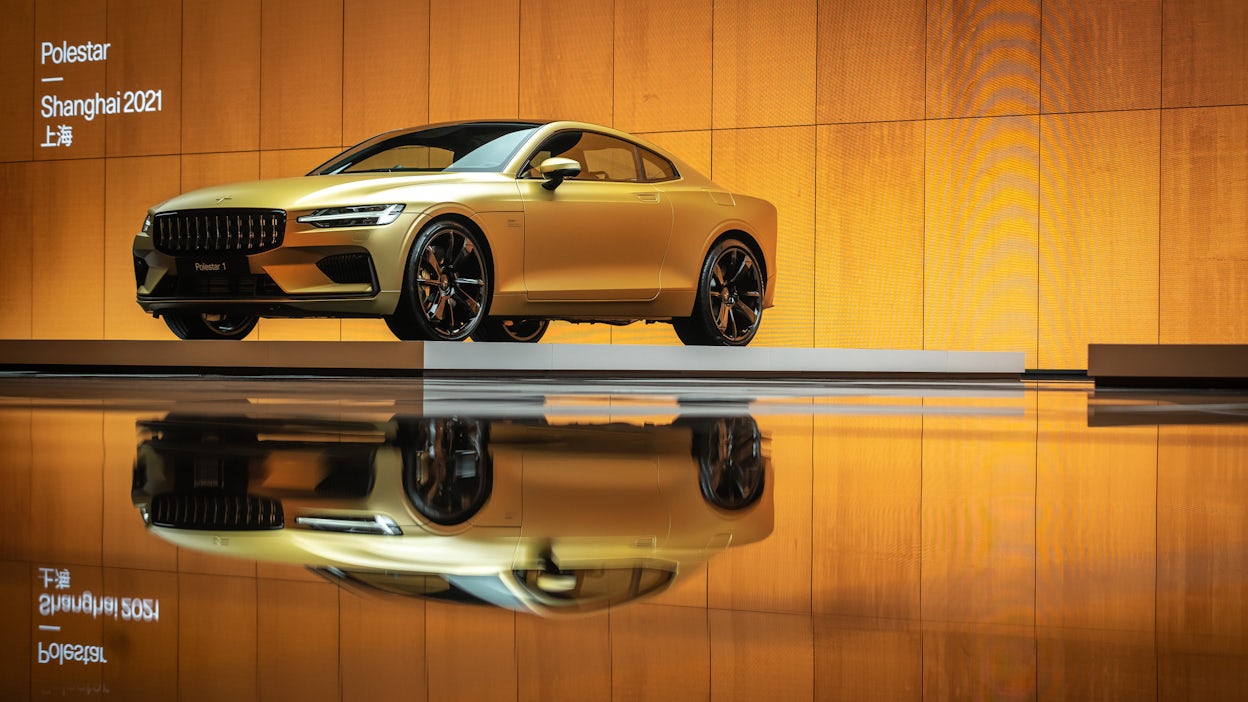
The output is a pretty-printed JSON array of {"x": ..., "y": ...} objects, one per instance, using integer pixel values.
[{"x": 474, "y": 146}]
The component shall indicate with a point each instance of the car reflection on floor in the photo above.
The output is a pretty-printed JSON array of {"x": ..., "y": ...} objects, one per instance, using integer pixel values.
[{"x": 550, "y": 518}]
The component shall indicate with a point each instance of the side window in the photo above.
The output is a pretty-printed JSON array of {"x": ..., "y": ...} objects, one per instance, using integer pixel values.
[
  {"x": 657, "y": 168},
  {"x": 602, "y": 158}
]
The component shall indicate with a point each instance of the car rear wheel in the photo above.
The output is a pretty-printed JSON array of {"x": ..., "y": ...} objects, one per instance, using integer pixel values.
[
  {"x": 528, "y": 331},
  {"x": 729, "y": 303},
  {"x": 446, "y": 289},
  {"x": 206, "y": 325},
  {"x": 731, "y": 469}
]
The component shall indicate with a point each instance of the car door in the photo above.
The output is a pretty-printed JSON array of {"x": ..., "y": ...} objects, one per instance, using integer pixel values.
[{"x": 599, "y": 236}]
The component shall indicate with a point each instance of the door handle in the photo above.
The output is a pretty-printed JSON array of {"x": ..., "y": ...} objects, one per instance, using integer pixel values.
[{"x": 647, "y": 197}]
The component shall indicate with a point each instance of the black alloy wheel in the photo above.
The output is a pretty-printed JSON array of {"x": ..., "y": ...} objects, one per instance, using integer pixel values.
[
  {"x": 447, "y": 468},
  {"x": 731, "y": 468},
  {"x": 729, "y": 303},
  {"x": 446, "y": 288}
]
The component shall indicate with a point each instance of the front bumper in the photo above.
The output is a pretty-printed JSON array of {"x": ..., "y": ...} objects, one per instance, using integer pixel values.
[{"x": 348, "y": 272}]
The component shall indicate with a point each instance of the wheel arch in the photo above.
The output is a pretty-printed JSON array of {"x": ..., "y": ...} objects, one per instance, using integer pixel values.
[
  {"x": 462, "y": 217},
  {"x": 748, "y": 239}
]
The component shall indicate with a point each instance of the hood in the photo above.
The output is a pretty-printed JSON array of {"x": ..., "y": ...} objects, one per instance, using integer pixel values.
[{"x": 311, "y": 192}]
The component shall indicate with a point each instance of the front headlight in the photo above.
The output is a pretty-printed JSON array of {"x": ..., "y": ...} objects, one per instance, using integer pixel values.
[
  {"x": 355, "y": 216},
  {"x": 147, "y": 224}
]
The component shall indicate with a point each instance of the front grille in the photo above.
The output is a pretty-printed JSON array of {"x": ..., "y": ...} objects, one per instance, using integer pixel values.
[
  {"x": 218, "y": 231},
  {"x": 216, "y": 512}
]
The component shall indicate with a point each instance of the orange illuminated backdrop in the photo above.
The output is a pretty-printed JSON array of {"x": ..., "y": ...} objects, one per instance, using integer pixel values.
[{"x": 984, "y": 174}]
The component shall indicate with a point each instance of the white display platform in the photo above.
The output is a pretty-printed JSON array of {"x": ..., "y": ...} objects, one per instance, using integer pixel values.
[{"x": 443, "y": 358}]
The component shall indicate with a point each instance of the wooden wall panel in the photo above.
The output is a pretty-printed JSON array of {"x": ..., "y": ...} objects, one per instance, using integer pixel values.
[
  {"x": 474, "y": 59},
  {"x": 981, "y": 252},
  {"x": 979, "y": 662},
  {"x": 1204, "y": 230},
  {"x": 145, "y": 55},
  {"x": 662, "y": 78},
  {"x": 764, "y": 63},
  {"x": 868, "y": 659},
  {"x": 17, "y": 475},
  {"x": 133, "y": 185},
  {"x": 1096, "y": 541},
  {"x": 1195, "y": 667},
  {"x": 1101, "y": 55},
  {"x": 659, "y": 652},
  {"x": 19, "y": 57},
  {"x": 867, "y": 482},
  {"x": 68, "y": 252},
  {"x": 385, "y": 65},
  {"x": 869, "y": 236},
  {"x": 17, "y": 227},
  {"x": 204, "y": 170},
  {"x": 490, "y": 633},
  {"x": 1202, "y": 533},
  {"x": 563, "y": 659},
  {"x": 144, "y": 660},
  {"x": 983, "y": 58},
  {"x": 221, "y": 75},
  {"x": 760, "y": 656},
  {"x": 297, "y": 640},
  {"x": 16, "y": 621},
  {"x": 74, "y": 22},
  {"x": 301, "y": 74},
  {"x": 745, "y": 576},
  {"x": 567, "y": 50},
  {"x": 1098, "y": 233},
  {"x": 871, "y": 60},
  {"x": 1206, "y": 53},
  {"x": 66, "y": 487},
  {"x": 217, "y": 633},
  {"x": 1091, "y": 664},
  {"x": 394, "y": 670},
  {"x": 745, "y": 161},
  {"x": 979, "y": 517}
]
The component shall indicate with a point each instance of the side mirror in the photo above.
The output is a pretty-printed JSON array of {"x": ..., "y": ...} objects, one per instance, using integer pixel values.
[{"x": 554, "y": 170}]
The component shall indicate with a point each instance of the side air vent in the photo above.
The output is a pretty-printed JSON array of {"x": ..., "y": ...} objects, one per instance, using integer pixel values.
[{"x": 348, "y": 268}]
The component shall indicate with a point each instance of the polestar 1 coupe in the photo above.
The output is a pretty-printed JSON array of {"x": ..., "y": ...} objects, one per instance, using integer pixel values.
[
  {"x": 481, "y": 229},
  {"x": 553, "y": 519}
]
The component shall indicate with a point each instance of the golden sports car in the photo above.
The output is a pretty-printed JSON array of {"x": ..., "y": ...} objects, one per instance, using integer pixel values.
[{"x": 485, "y": 229}]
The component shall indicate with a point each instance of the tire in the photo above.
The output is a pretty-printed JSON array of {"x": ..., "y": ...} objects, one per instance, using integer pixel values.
[
  {"x": 448, "y": 472},
  {"x": 205, "y": 325},
  {"x": 731, "y": 468},
  {"x": 446, "y": 288},
  {"x": 729, "y": 303},
  {"x": 528, "y": 331}
]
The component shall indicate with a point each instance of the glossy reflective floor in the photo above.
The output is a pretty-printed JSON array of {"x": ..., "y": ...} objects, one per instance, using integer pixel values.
[{"x": 703, "y": 540}]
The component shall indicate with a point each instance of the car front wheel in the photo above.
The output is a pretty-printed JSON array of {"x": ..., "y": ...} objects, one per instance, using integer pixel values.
[
  {"x": 446, "y": 288},
  {"x": 205, "y": 325},
  {"x": 729, "y": 303}
]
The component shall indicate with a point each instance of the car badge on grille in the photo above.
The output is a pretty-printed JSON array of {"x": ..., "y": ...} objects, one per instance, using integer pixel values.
[{"x": 223, "y": 198}]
